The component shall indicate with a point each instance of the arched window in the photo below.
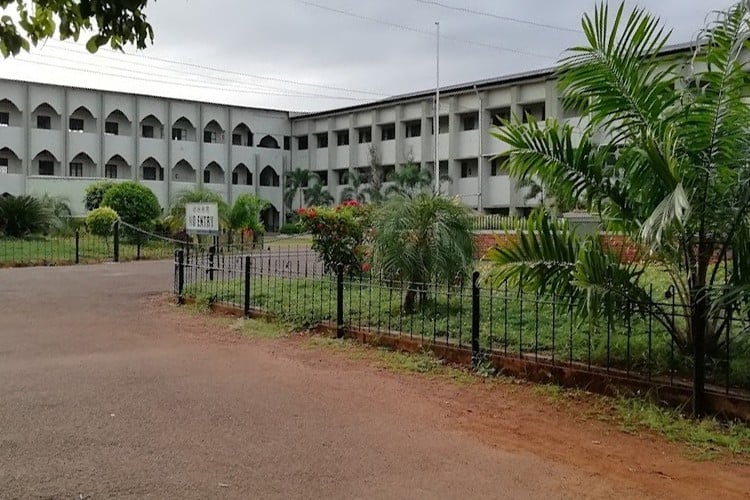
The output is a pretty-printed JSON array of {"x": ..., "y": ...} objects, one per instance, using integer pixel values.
[
  {"x": 45, "y": 117},
  {"x": 82, "y": 120},
  {"x": 213, "y": 133},
  {"x": 241, "y": 176},
  {"x": 183, "y": 130},
  {"x": 10, "y": 115},
  {"x": 213, "y": 174},
  {"x": 270, "y": 218},
  {"x": 183, "y": 171},
  {"x": 117, "y": 124},
  {"x": 269, "y": 177},
  {"x": 117, "y": 168},
  {"x": 152, "y": 128},
  {"x": 82, "y": 166},
  {"x": 45, "y": 163},
  {"x": 151, "y": 170},
  {"x": 10, "y": 163},
  {"x": 268, "y": 142},
  {"x": 242, "y": 135}
]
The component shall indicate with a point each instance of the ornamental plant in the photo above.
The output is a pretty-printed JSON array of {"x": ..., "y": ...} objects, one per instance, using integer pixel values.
[{"x": 339, "y": 235}]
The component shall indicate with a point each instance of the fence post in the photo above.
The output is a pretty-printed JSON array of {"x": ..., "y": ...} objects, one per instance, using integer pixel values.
[
  {"x": 247, "y": 286},
  {"x": 78, "y": 246},
  {"x": 116, "y": 245},
  {"x": 211, "y": 254},
  {"x": 180, "y": 276},
  {"x": 138, "y": 250},
  {"x": 475, "y": 354},
  {"x": 340, "y": 301}
]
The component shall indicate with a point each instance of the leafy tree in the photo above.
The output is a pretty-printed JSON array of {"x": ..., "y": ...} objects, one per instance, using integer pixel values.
[
  {"x": 25, "y": 215},
  {"x": 411, "y": 180},
  {"x": 376, "y": 177},
  {"x": 101, "y": 221},
  {"x": 297, "y": 180},
  {"x": 357, "y": 190},
  {"x": 176, "y": 218},
  {"x": 95, "y": 193},
  {"x": 245, "y": 214},
  {"x": 421, "y": 239},
  {"x": 61, "y": 221},
  {"x": 317, "y": 195},
  {"x": 671, "y": 173},
  {"x": 136, "y": 205},
  {"x": 116, "y": 22}
]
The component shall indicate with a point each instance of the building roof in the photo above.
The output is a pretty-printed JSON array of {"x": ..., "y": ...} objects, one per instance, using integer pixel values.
[{"x": 498, "y": 81}]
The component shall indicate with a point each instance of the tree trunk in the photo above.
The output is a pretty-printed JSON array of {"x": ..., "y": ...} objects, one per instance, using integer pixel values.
[{"x": 698, "y": 326}]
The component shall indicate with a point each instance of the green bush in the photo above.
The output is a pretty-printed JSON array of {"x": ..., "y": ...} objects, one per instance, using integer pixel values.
[
  {"x": 23, "y": 216},
  {"x": 100, "y": 221},
  {"x": 136, "y": 205},
  {"x": 95, "y": 194},
  {"x": 292, "y": 228}
]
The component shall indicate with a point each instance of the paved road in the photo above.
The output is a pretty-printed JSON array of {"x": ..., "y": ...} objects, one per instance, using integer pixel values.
[{"x": 106, "y": 390}]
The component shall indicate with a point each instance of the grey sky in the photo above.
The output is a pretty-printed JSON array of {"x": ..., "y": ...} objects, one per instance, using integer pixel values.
[{"x": 296, "y": 41}]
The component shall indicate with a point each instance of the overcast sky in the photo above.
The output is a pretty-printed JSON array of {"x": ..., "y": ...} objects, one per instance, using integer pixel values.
[{"x": 266, "y": 51}]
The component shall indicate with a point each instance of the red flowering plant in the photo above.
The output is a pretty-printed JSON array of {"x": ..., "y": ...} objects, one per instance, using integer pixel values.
[{"x": 339, "y": 235}]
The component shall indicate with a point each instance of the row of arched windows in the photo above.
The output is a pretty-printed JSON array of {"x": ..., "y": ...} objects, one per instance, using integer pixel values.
[
  {"x": 82, "y": 165},
  {"x": 81, "y": 119}
]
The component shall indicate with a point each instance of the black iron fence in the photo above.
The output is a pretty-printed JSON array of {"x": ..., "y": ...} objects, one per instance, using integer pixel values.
[{"x": 487, "y": 320}]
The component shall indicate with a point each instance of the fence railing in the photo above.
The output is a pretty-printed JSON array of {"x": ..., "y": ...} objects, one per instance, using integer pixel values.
[{"x": 485, "y": 318}]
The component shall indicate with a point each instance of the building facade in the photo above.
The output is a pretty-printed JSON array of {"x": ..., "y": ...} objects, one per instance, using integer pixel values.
[{"x": 58, "y": 140}]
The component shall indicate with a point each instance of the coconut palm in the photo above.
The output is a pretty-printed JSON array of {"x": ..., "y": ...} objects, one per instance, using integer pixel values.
[
  {"x": 672, "y": 173},
  {"x": 358, "y": 188},
  {"x": 420, "y": 239},
  {"x": 297, "y": 180},
  {"x": 317, "y": 195}
]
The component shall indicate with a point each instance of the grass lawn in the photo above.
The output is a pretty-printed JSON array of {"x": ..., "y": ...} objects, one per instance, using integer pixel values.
[
  {"x": 62, "y": 250},
  {"x": 512, "y": 323}
]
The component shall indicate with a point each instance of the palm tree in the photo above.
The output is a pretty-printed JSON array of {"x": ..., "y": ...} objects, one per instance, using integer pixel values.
[
  {"x": 297, "y": 180},
  {"x": 245, "y": 214},
  {"x": 358, "y": 188},
  {"x": 421, "y": 239},
  {"x": 408, "y": 181},
  {"x": 176, "y": 218},
  {"x": 317, "y": 195},
  {"x": 672, "y": 173}
]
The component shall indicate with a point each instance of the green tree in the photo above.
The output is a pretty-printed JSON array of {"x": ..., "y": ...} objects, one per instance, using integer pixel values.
[
  {"x": 421, "y": 239},
  {"x": 376, "y": 177},
  {"x": 95, "y": 193},
  {"x": 411, "y": 180},
  {"x": 24, "y": 216},
  {"x": 672, "y": 173},
  {"x": 245, "y": 214},
  {"x": 101, "y": 221},
  {"x": 357, "y": 189},
  {"x": 136, "y": 205},
  {"x": 297, "y": 180},
  {"x": 116, "y": 22},
  {"x": 317, "y": 195},
  {"x": 176, "y": 218}
]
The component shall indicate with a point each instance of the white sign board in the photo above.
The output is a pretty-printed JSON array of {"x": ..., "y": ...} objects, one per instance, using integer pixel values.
[
  {"x": 3, "y": 169},
  {"x": 202, "y": 218}
]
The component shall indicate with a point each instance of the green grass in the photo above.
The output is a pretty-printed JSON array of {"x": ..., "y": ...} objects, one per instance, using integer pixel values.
[
  {"x": 509, "y": 322},
  {"x": 704, "y": 439},
  {"x": 60, "y": 250}
]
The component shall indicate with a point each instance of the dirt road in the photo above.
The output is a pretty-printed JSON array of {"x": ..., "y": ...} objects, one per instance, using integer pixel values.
[{"x": 106, "y": 390}]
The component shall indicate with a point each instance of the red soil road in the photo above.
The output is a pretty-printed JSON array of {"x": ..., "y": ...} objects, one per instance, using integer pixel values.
[{"x": 107, "y": 390}]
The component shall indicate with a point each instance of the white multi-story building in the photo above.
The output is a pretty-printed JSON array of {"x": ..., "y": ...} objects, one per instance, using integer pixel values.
[{"x": 58, "y": 140}]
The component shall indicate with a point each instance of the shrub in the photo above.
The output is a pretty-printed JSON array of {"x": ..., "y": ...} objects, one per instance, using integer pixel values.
[
  {"x": 135, "y": 204},
  {"x": 95, "y": 194},
  {"x": 338, "y": 234},
  {"x": 292, "y": 228},
  {"x": 23, "y": 216},
  {"x": 245, "y": 214},
  {"x": 100, "y": 221}
]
